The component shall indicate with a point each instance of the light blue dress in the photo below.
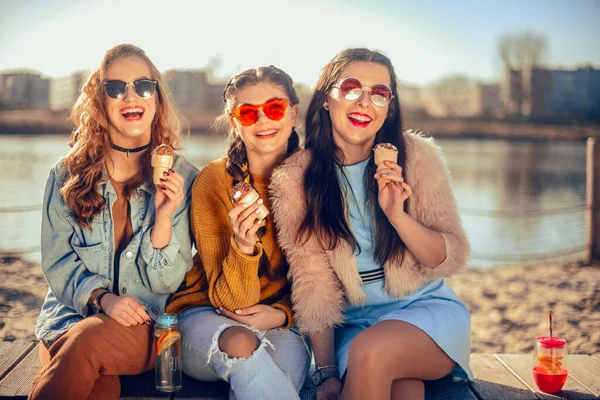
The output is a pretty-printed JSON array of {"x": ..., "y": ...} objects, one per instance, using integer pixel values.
[{"x": 434, "y": 308}]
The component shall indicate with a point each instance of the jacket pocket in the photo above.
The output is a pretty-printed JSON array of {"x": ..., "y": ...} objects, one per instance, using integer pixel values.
[
  {"x": 88, "y": 241},
  {"x": 92, "y": 257}
]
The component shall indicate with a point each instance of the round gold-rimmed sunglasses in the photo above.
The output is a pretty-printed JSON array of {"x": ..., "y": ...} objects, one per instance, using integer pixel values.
[{"x": 351, "y": 88}]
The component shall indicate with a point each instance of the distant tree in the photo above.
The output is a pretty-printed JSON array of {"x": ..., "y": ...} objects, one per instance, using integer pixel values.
[
  {"x": 520, "y": 53},
  {"x": 452, "y": 96},
  {"x": 522, "y": 50}
]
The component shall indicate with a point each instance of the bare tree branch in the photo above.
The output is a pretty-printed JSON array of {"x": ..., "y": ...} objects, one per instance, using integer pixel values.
[{"x": 522, "y": 50}]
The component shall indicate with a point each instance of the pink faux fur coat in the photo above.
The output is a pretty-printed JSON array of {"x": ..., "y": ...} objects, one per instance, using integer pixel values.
[{"x": 322, "y": 280}]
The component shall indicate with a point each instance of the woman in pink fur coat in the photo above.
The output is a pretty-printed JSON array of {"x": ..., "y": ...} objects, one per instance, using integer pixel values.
[{"x": 369, "y": 246}]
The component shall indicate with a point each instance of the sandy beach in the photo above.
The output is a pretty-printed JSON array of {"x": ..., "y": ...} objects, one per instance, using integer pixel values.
[{"x": 509, "y": 305}]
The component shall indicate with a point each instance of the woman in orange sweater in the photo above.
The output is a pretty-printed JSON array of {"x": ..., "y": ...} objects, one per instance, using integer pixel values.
[{"x": 234, "y": 305}]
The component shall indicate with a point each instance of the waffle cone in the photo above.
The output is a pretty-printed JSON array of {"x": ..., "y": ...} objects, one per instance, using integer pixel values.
[
  {"x": 383, "y": 154},
  {"x": 161, "y": 164}
]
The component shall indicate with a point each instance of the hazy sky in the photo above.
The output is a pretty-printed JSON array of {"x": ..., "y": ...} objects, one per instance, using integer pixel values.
[{"x": 425, "y": 39}]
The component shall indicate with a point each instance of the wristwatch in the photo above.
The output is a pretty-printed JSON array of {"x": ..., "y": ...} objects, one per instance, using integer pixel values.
[
  {"x": 319, "y": 376},
  {"x": 96, "y": 302}
]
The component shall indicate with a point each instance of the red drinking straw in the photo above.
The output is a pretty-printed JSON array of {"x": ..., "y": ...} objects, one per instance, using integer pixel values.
[{"x": 550, "y": 317}]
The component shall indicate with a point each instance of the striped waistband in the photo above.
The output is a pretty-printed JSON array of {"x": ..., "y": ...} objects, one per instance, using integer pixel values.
[{"x": 372, "y": 275}]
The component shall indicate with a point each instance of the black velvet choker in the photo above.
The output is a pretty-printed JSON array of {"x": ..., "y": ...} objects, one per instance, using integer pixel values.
[{"x": 124, "y": 150}]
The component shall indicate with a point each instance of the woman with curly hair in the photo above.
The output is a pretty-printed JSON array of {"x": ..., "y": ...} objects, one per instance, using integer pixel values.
[
  {"x": 235, "y": 311},
  {"x": 115, "y": 244}
]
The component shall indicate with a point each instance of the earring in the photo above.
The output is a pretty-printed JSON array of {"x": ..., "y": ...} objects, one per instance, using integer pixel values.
[{"x": 326, "y": 106}]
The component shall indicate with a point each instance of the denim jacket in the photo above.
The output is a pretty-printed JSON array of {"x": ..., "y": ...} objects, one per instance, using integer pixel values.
[{"x": 75, "y": 261}]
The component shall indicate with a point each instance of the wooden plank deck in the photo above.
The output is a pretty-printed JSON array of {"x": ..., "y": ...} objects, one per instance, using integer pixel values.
[{"x": 497, "y": 376}]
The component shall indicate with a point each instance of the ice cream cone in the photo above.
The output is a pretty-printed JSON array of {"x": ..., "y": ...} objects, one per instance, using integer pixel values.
[
  {"x": 385, "y": 152},
  {"x": 162, "y": 161},
  {"x": 244, "y": 193}
]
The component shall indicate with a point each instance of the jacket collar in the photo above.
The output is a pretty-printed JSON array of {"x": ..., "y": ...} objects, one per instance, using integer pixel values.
[{"x": 105, "y": 186}]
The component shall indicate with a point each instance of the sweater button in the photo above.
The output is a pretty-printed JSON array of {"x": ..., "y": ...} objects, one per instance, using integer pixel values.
[
  {"x": 124, "y": 290},
  {"x": 140, "y": 223},
  {"x": 129, "y": 254}
]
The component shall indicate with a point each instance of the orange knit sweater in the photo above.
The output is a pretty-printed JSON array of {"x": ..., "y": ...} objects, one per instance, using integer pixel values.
[{"x": 223, "y": 276}]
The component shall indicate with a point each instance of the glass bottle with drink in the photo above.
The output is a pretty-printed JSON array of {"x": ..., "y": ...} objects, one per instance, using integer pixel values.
[{"x": 167, "y": 353}]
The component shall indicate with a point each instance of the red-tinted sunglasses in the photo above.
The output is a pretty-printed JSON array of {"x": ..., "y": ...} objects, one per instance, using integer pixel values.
[
  {"x": 351, "y": 88},
  {"x": 247, "y": 114}
]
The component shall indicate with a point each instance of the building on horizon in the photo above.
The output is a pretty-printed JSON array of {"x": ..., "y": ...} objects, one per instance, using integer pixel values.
[
  {"x": 23, "y": 89},
  {"x": 451, "y": 97},
  {"x": 489, "y": 100},
  {"x": 191, "y": 89},
  {"x": 412, "y": 100},
  {"x": 64, "y": 91},
  {"x": 552, "y": 93},
  {"x": 566, "y": 93}
]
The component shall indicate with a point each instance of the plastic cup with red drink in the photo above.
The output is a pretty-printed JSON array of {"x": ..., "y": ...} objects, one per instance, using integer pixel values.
[{"x": 549, "y": 363}]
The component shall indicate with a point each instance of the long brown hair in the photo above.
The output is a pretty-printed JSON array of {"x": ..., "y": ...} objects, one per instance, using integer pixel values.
[
  {"x": 237, "y": 157},
  {"x": 325, "y": 209},
  {"x": 90, "y": 139}
]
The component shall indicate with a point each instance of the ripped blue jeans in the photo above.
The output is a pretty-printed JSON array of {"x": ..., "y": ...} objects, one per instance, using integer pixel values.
[{"x": 276, "y": 370}]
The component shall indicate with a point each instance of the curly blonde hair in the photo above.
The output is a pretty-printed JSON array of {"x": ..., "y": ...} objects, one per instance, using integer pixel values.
[{"x": 90, "y": 140}]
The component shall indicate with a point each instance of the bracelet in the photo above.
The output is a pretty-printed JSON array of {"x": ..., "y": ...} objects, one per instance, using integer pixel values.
[
  {"x": 327, "y": 367},
  {"x": 99, "y": 298}
]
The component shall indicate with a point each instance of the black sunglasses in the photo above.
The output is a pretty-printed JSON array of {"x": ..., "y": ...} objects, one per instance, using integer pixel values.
[{"x": 116, "y": 89}]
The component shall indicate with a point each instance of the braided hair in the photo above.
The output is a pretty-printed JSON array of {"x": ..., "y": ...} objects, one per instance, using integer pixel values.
[{"x": 237, "y": 157}]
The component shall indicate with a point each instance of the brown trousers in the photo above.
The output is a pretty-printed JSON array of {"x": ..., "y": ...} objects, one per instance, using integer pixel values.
[{"x": 85, "y": 362}]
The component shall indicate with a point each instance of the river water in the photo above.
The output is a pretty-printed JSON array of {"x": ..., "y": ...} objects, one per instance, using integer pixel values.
[{"x": 520, "y": 201}]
